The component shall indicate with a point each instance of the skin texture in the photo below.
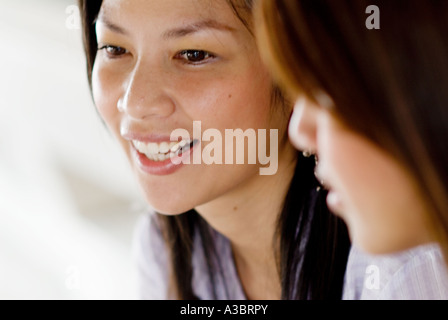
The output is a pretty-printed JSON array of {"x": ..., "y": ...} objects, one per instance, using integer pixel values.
[
  {"x": 369, "y": 189},
  {"x": 143, "y": 84}
]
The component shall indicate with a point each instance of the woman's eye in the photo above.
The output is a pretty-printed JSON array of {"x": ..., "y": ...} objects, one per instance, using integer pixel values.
[
  {"x": 113, "y": 51},
  {"x": 194, "y": 56}
]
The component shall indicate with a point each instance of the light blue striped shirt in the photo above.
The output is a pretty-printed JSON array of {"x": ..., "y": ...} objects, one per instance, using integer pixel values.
[
  {"x": 418, "y": 273},
  {"x": 415, "y": 274}
]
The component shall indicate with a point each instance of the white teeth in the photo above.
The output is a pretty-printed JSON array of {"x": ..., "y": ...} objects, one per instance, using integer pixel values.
[
  {"x": 153, "y": 148},
  {"x": 140, "y": 146},
  {"x": 164, "y": 147},
  {"x": 162, "y": 151}
]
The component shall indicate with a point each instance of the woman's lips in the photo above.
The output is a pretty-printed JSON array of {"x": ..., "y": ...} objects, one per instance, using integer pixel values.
[
  {"x": 334, "y": 202},
  {"x": 162, "y": 151},
  {"x": 161, "y": 159}
]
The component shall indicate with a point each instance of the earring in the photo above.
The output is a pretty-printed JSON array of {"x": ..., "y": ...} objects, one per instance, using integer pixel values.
[{"x": 307, "y": 154}]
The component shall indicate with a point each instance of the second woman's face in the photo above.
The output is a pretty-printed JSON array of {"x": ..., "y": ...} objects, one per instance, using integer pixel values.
[
  {"x": 160, "y": 66},
  {"x": 368, "y": 188}
]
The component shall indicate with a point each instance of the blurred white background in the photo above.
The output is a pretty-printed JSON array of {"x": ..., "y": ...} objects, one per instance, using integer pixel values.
[{"x": 68, "y": 201}]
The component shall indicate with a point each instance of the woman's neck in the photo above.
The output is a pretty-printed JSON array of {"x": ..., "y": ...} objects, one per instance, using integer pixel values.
[{"x": 247, "y": 216}]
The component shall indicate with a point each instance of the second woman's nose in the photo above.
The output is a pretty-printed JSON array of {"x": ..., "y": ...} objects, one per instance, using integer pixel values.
[
  {"x": 144, "y": 94},
  {"x": 303, "y": 126}
]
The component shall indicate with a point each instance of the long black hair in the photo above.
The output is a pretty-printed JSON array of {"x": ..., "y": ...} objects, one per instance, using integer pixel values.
[{"x": 314, "y": 244}]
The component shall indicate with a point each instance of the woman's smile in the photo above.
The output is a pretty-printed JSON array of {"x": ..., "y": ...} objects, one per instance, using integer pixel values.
[{"x": 161, "y": 158}]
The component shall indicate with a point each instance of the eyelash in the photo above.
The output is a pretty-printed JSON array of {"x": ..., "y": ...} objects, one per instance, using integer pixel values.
[
  {"x": 187, "y": 56},
  {"x": 113, "y": 55},
  {"x": 114, "y": 52}
]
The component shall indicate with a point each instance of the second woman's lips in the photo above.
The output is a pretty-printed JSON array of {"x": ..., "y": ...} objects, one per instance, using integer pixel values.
[
  {"x": 334, "y": 202},
  {"x": 318, "y": 173}
]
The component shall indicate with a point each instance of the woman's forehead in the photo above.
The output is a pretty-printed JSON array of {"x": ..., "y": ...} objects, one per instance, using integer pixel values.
[
  {"x": 170, "y": 18},
  {"x": 186, "y": 7}
]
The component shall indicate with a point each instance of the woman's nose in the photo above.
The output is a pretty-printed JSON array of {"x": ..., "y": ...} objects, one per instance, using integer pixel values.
[
  {"x": 145, "y": 95},
  {"x": 303, "y": 126}
]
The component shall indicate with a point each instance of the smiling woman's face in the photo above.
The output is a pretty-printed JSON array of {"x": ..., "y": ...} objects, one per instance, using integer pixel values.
[{"x": 163, "y": 64}]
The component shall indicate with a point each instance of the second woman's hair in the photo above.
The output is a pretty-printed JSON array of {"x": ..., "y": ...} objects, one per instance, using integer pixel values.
[{"x": 389, "y": 84}]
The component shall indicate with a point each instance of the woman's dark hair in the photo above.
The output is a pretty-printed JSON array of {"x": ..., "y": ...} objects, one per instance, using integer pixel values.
[
  {"x": 314, "y": 244},
  {"x": 389, "y": 84}
]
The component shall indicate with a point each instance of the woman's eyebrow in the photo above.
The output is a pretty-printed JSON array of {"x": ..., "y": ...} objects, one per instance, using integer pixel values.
[
  {"x": 110, "y": 25},
  {"x": 173, "y": 33},
  {"x": 196, "y": 27}
]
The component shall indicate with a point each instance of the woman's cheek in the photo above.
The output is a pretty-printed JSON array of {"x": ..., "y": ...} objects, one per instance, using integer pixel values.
[{"x": 105, "y": 96}]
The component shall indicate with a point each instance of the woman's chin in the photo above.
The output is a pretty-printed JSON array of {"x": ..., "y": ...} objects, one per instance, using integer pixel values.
[
  {"x": 168, "y": 208},
  {"x": 169, "y": 213}
]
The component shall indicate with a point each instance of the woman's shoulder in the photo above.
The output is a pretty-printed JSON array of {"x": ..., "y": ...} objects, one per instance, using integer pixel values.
[
  {"x": 419, "y": 273},
  {"x": 151, "y": 258},
  {"x": 148, "y": 236},
  {"x": 148, "y": 226}
]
